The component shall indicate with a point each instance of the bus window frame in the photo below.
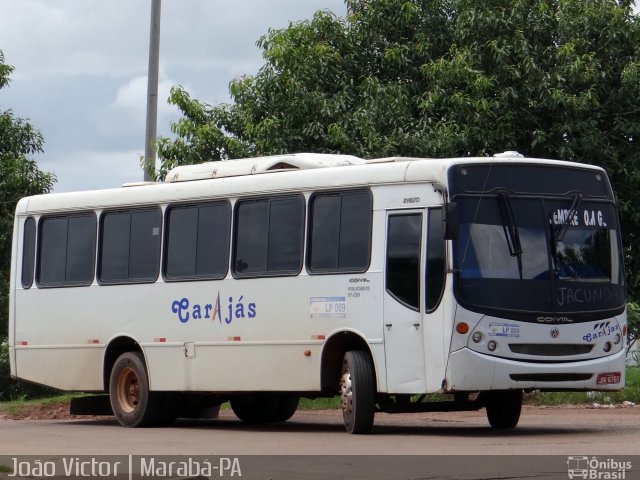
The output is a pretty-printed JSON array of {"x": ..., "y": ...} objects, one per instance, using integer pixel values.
[
  {"x": 165, "y": 241},
  {"x": 234, "y": 236},
  {"x": 338, "y": 270},
  {"x": 38, "y": 254},
  {"x": 129, "y": 210},
  {"x": 33, "y": 252}
]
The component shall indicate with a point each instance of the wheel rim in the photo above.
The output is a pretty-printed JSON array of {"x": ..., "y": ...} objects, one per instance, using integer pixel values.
[
  {"x": 346, "y": 394},
  {"x": 128, "y": 390}
]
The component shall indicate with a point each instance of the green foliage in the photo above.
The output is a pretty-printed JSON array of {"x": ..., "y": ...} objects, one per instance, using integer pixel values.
[
  {"x": 19, "y": 177},
  {"x": 432, "y": 78},
  {"x": 11, "y": 389},
  {"x": 633, "y": 325},
  {"x": 630, "y": 393}
]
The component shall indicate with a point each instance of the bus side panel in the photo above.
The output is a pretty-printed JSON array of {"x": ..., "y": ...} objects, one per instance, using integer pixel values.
[
  {"x": 70, "y": 368},
  {"x": 254, "y": 334},
  {"x": 57, "y": 342},
  {"x": 233, "y": 367},
  {"x": 16, "y": 252}
]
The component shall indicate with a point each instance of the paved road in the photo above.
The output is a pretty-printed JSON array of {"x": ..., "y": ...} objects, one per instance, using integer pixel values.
[
  {"x": 542, "y": 431},
  {"x": 547, "y": 444}
]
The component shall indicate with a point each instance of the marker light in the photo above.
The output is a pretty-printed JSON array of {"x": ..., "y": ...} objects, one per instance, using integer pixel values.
[
  {"x": 462, "y": 328},
  {"x": 624, "y": 330},
  {"x": 476, "y": 337},
  {"x": 492, "y": 345}
]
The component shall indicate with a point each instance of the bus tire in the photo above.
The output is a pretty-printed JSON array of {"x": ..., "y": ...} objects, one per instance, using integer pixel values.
[
  {"x": 357, "y": 392},
  {"x": 255, "y": 408},
  {"x": 133, "y": 404},
  {"x": 503, "y": 408},
  {"x": 287, "y": 406}
]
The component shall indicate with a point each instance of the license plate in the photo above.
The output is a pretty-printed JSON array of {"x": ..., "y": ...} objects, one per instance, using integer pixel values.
[{"x": 609, "y": 378}]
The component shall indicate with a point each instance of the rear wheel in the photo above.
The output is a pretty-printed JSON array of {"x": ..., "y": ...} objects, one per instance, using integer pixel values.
[
  {"x": 170, "y": 406},
  {"x": 255, "y": 408},
  {"x": 287, "y": 406},
  {"x": 132, "y": 403},
  {"x": 357, "y": 392},
  {"x": 503, "y": 408}
]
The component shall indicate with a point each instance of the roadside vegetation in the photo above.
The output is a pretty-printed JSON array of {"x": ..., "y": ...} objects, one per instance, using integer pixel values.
[
  {"x": 51, "y": 406},
  {"x": 631, "y": 393}
]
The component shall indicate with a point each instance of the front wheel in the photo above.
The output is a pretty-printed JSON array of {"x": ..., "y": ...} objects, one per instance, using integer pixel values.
[
  {"x": 357, "y": 392},
  {"x": 503, "y": 408},
  {"x": 132, "y": 403}
]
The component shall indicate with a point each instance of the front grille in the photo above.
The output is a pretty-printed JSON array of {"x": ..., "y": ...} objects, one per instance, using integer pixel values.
[
  {"x": 550, "y": 349},
  {"x": 550, "y": 377}
]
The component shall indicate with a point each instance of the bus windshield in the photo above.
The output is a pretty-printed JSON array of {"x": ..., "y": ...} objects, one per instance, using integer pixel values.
[{"x": 528, "y": 256}]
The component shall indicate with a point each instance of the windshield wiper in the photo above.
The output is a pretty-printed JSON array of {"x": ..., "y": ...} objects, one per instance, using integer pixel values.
[
  {"x": 510, "y": 228},
  {"x": 559, "y": 230}
]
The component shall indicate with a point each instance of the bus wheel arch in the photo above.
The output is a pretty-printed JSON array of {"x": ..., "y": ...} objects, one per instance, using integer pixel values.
[
  {"x": 333, "y": 353},
  {"x": 125, "y": 364},
  {"x": 347, "y": 365},
  {"x": 357, "y": 392},
  {"x": 117, "y": 347},
  {"x": 132, "y": 401}
]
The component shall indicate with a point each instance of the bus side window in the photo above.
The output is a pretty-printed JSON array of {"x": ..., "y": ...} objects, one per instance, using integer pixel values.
[
  {"x": 340, "y": 232},
  {"x": 130, "y": 246},
  {"x": 403, "y": 259},
  {"x": 28, "y": 252},
  {"x": 66, "y": 250},
  {"x": 268, "y": 236},
  {"x": 197, "y": 241},
  {"x": 436, "y": 259}
]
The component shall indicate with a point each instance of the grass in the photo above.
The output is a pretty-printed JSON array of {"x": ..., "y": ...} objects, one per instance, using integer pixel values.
[
  {"x": 630, "y": 393},
  {"x": 319, "y": 403},
  {"x": 5, "y": 469},
  {"x": 16, "y": 407}
]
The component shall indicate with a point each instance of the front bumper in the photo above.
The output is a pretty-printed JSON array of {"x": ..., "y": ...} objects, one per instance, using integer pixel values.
[{"x": 472, "y": 371}]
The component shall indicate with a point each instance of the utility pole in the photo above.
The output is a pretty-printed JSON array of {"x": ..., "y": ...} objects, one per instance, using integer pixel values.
[{"x": 152, "y": 92}]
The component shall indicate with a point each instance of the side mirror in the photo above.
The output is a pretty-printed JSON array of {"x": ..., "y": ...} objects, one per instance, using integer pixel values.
[{"x": 450, "y": 219}]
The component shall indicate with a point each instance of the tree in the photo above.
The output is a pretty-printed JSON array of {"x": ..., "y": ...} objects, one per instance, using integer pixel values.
[
  {"x": 432, "y": 78},
  {"x": 19, "y": 177},
  {"x": 633, "y": 322}
]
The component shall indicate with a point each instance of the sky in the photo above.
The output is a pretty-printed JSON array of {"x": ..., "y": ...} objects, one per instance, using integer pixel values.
[{"x": 81, "y": 72}]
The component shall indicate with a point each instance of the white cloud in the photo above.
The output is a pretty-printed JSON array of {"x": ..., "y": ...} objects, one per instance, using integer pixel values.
[
  {"x": 74, "y": 36},
  {"x": 81, "y": 65},
  {"x": 88, "y": 170},
  {"x": 132, "y": 96}
]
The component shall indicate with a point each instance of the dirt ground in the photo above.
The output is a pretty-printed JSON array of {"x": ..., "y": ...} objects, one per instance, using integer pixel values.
[
  {"x": 41, "y": 411},
  {"x": 60, "y": 411}
]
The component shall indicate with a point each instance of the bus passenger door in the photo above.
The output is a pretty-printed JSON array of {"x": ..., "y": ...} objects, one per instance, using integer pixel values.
[{"x": 403, "y": 319}]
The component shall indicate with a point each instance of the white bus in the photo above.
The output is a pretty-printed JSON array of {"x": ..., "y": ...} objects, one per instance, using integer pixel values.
[{"x": 262, "y": 280}]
